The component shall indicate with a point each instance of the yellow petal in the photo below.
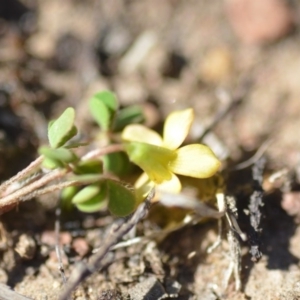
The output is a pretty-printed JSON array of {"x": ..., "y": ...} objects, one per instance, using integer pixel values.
[
  {"x": 195, "y": 161},
  {"x": 172, "y": 186},
  {"x": 140, "y": 133},
  {"x": 142, "y": 181},
  {"x": 176, "y": 127},
  {"x": 154, "y": 160},
  {"x": 143, "y": 186}
]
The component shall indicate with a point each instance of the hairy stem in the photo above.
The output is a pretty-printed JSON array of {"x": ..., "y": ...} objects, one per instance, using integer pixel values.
[
  {"x": 49, "y": 189},
  {"x": 22, "y": 174},
  {"x": 102, "y": 151},
  {"x": 34, "y": 189},
  {"x": 19, "y": 194}
]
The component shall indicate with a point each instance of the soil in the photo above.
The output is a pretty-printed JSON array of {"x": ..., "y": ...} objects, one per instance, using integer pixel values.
[{"x": 162, "y": 56}]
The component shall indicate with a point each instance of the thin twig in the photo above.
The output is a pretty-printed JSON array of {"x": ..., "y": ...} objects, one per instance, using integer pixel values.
[
  {"x": 253, "y": 159},
  {"x": 57, "y": 246},
  {"x": 22, "y": 174},
  {"x": 82, "y": 271},
  {"x": 235, "y": 261},
  {"x": 225, "y": 109},
  {"x": 234, "y": 244}
]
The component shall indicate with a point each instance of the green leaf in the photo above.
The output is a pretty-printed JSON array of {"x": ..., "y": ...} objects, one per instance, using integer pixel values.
[
  {"x": 87, "y": 178},
  {"x": 76, "y": 145},
  {"x": 95, "y": 203},
  {"x": 69, "y": 192},
  {"x": 67, "y": 195},
  {"x": 61, "y": 154},
  {"x": 50, "y": 124},
  {"x": 89, "y": 167},
  {"x": 109, "y": 99},
  {"x": 71, "y": 134},
  {"x": 128, "y": 115},
  {"x": 87, "y": 193},
  {"x": 103, "y": 106},
  {"x": 52, "y": 164},
  {"x": 62, "y": 129},
  {"x": 121, "y": 200},
  {"x": 117, "y": 163}
]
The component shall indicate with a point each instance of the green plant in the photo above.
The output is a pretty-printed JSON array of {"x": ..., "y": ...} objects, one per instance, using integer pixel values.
[{"x": 91, "y": 181}]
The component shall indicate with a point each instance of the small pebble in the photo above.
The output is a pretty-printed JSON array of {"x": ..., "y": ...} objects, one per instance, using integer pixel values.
[
  {"x": 138, "y": 52},
  {"x": 110, "y": 295},
  {"x": 81, "y": 246},
  {"x": 259, "y": 21},
  {"x": 49, "y": 238},
  {"x": 41, "y": 46},
  {"x": 216, "y": 66},
  {"x": 26, "y": 247}
]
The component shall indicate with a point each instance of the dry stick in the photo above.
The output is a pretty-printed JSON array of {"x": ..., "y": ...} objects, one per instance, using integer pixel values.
[
  {"x": 22, "y": 174},
  {"x": 82, "y": 271},
  {"x": 234, "y": 244},
  {"x": 6, "y": 293},
  {"x": 253, "y": 159},
  {"x": 256, "y": 202}
]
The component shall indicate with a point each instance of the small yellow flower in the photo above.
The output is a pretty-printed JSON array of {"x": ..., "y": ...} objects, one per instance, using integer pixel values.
[{"x": 161, "y": 158}]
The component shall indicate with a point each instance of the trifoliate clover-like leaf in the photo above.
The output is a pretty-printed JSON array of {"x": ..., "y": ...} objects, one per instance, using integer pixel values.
[
  {"x": 87, "y": 178},
  {"x": 94, "y": 203},
  {"x": 117, "y": 163},
  {"x": 62, "y": 129},
  {"x": 103, "y": 106},
  {"x": 121, "y": 200},
  {"x": 62, "y": 155},
  {"x": 128, "y": 115},
  {"x": 89, "y": 167},
  {"x": 52, "y": 164},
  {"x": 87, "y": 193},
  {"x": 66, "y": 197}
]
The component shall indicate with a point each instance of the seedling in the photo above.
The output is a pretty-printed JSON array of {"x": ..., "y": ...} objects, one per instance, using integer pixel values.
[
  {"x": 96, "y": 180},
  {"x": 91, "y": 182}
]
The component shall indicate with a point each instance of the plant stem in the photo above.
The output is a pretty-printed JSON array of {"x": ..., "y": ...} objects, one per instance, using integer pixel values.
[
  {"x": 33, "y": 189},
  {"x": 19, "y": 194},
  {"x": 22, "y": 174},
  {"x": 102, "y": 151},
  {"x": 49, "y": 189}
]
